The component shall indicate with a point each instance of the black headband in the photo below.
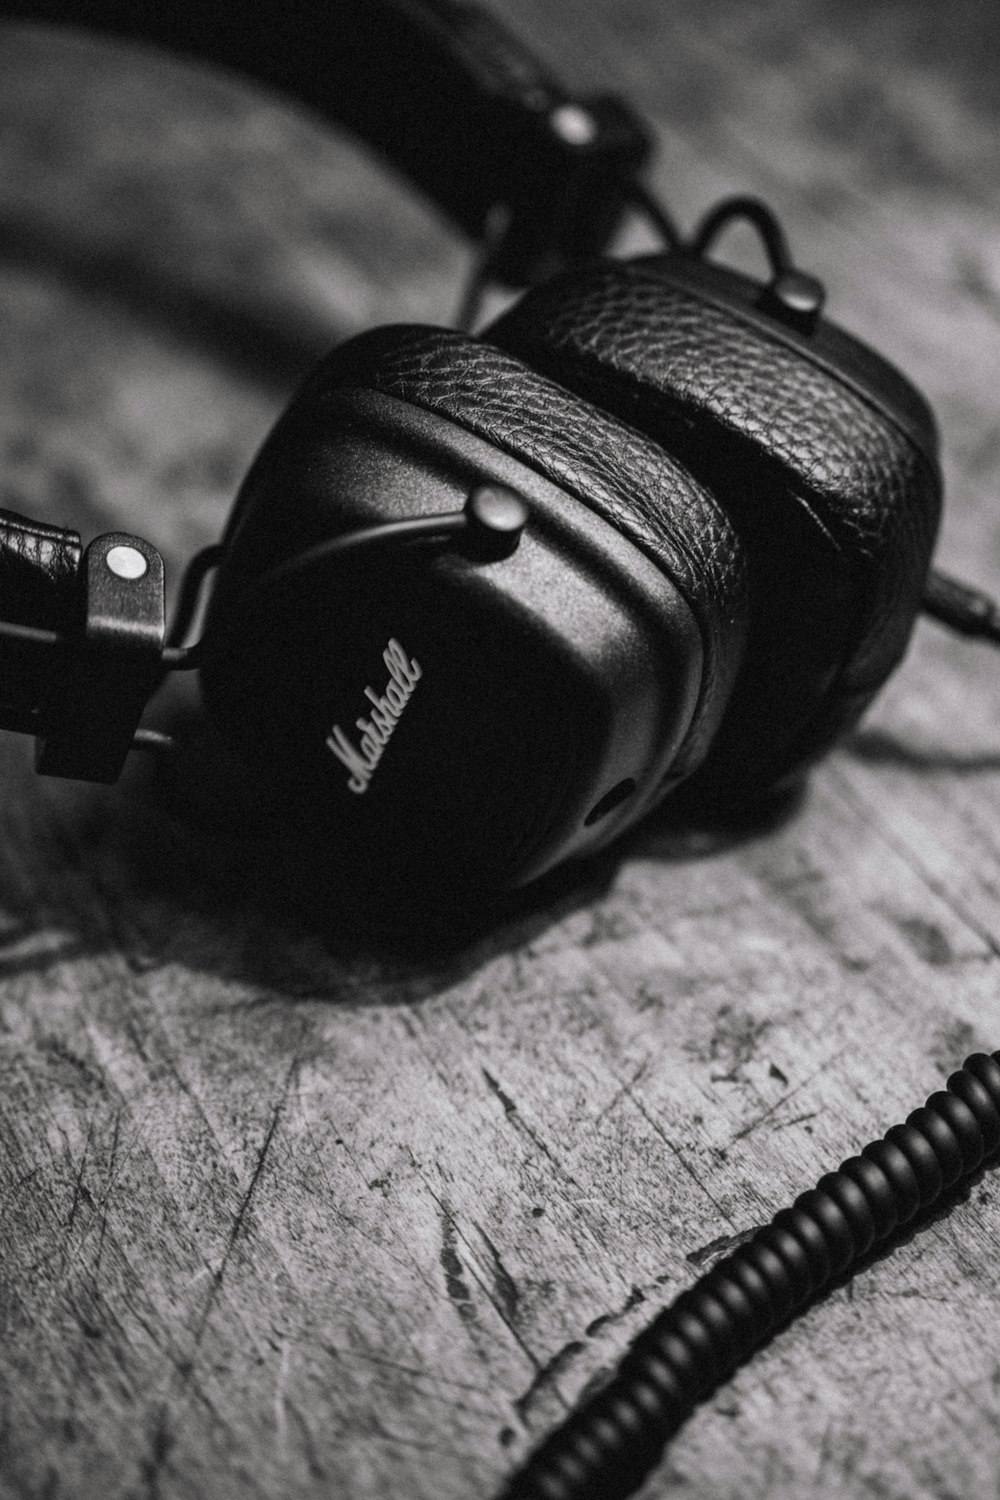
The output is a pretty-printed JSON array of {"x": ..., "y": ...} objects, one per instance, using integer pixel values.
[{"x": 437, "y": 86}]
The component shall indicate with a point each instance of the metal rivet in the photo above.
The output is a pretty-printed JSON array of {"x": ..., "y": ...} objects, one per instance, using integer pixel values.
[
  {"x": 495, "y": 518},
  {"x": 497, "y": 509},
  {"x": 126, "y": 562},
  {"x": 573, "y": 124}
]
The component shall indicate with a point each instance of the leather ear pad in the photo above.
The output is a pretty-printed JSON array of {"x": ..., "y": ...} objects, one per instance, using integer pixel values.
[
  {"x": 619, "y": 474},
  {"x": 823, "y": 456}
]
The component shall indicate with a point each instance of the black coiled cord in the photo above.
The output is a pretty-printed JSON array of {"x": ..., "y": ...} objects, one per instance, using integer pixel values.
[{"x": 609, "y": 1445}]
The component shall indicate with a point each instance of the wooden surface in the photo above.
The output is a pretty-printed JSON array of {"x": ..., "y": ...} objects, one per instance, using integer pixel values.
[{"x": 282, "y": 1217}]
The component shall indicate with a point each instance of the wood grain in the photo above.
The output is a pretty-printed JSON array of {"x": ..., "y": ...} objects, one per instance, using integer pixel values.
[{"x": 283, "y": 1216}]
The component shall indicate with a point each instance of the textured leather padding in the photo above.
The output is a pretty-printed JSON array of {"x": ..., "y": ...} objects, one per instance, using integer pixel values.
[
  {"x": 835, "y": 502},
  {"x": 619, "y": 474},
  {"x": 39, "y": 568}
]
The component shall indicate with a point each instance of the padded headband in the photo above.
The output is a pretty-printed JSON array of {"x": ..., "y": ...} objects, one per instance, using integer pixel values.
[{"x": 439, "y": 88}]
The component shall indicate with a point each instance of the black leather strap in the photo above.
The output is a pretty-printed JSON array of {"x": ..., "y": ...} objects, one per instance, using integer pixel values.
[
  {"x": 39, "y": 568},
  {"x": 438, "y": 86}
]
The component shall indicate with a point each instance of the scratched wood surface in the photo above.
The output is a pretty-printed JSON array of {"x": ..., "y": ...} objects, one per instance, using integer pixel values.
[{"x": 285, "y": 1216}]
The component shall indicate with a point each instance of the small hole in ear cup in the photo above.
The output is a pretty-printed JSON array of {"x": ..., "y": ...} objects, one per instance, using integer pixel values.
[{"x": 611, "y": 799}]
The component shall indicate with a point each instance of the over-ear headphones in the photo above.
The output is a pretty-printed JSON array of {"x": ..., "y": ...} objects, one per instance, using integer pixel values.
[
  {"x": 660, "y": 531},
  {"x": 482, "y": 602}
]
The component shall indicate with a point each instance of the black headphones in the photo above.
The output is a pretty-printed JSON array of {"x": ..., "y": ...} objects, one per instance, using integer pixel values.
[{"x": 482, "y": 602}]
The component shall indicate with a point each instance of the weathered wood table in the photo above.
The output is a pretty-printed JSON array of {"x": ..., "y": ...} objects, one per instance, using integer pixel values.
[{"x": 284, "y": 1216}]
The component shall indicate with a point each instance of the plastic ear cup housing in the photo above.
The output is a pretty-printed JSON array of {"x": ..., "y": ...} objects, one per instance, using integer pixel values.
[{"x": 539, "y": 702}]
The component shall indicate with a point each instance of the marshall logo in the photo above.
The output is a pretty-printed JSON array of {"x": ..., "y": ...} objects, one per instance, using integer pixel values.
[{"x": 387, "y": 710}]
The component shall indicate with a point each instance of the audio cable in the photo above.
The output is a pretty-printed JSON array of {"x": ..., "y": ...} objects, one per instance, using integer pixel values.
[
  {"x": 615, "y": 1438},
  {"x": 961, "y": 608}
]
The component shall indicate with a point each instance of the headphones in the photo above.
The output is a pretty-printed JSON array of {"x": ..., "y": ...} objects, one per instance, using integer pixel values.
[{"x": 661, "y": 530}]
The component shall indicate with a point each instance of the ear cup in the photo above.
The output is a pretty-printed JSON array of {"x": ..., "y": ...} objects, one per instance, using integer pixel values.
[
  {"x": 547, "y": 696},
  {"x": 619, "y": 474},
  {"x": 823, "y": 456}
]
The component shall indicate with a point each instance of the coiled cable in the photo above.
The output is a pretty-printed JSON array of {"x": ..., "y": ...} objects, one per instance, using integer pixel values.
[{"x": 609, "y": 1445}]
